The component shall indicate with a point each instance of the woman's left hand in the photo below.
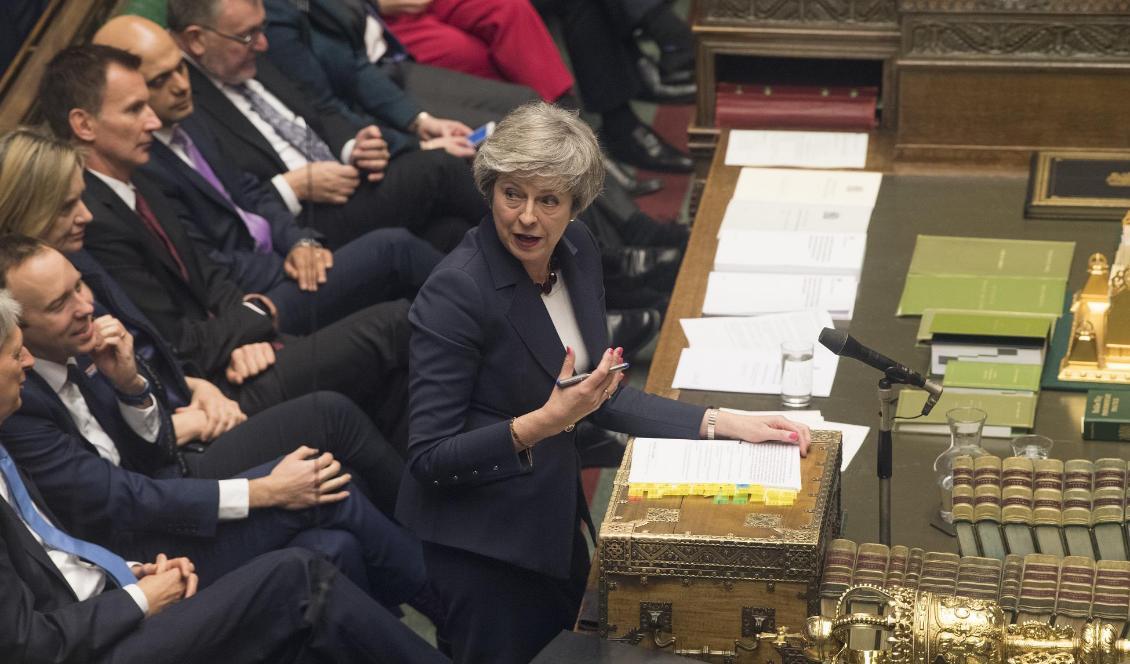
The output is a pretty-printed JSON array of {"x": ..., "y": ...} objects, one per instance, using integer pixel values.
[{"x": 756, "y": 429}]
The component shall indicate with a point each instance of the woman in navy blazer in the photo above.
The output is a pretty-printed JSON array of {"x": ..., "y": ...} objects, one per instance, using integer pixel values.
[{"x": 494, "y": 486}]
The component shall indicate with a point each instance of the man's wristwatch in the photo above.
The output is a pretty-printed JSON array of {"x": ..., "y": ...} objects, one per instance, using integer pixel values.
[{"x": 308, "y": 242}]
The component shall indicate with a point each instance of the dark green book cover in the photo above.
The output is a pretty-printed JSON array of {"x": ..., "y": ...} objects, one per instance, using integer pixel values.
[{"x": 1107, "y": 416}]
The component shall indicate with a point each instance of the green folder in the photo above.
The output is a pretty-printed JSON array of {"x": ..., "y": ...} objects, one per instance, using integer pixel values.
[
  {"x": 1021, "y": 294},
  {"x": 956, "y": 322},
  {"x": 1008, "y": 409},
  {"x": 975, "y": 256},
  {"x": 993, "y": 375}
]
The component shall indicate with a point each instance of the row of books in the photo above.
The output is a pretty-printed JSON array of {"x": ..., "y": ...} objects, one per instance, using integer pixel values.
[
  {"x": 988, "y": 308},
  {"x": 1019, "y": 506},
  {"x": 1033, "y": 587}
]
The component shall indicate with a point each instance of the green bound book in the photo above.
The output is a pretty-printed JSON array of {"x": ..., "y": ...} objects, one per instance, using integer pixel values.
[
  {"x": 976, "y": 256},
  {"x": 994, "y": 324},
  {"x": 1020, "y": 294},
  {"x": 993, "y": 375},
  {"x": 1107, "y": 416},
  {"x": 1008, "y": 409}
]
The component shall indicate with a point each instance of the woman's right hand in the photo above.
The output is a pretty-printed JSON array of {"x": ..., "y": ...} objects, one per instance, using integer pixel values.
[{"x": 570, "y": 404}]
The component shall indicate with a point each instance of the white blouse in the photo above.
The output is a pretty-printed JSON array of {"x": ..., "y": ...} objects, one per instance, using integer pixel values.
[{"x": 560, "y": 309}]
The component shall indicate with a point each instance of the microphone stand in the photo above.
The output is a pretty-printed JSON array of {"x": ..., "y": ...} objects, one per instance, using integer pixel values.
[{"x": 884, "y": 464}]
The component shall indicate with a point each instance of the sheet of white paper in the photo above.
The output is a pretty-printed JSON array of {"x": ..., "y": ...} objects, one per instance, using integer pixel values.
[
  {"x": 783, "y": 185},
  {"x": 745, "y": 371},
  {"x": 675, "y": 461},
  {"x": 807, "y": 149},
  {"x": 752, "y": 293},
  {"x": 746, "y": 215},
  {"x": 791, "y": 252},
  {"x": 757, "y": 332},
  {"x": 853, "y": 435}
]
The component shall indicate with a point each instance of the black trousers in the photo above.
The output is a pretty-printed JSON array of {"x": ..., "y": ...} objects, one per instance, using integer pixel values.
[
  {"x": 363, "y": 356},
  {"x": 499, "y": 613},
  {"x": 429, "y": 192},
  {"x": 604, "y": 68},
  {"x": 285, "y": 606},
  {"x": 326, "y": 421},
  {"x": 447, "y": 93}
]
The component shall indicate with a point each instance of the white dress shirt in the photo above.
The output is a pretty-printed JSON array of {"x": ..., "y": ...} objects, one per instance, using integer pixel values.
[
  {"x": 85, "y": 580},
  {"x": 375, "y": 44},
  {"x": 560, "y": 309},
  {"x": 286, "y": 152},
  {"x": 145, "y": 422}
]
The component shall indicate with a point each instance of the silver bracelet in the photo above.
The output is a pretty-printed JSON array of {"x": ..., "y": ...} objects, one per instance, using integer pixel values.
[
  {"x": 308, "y": 242},
  {"x": 711, "y": 422}
]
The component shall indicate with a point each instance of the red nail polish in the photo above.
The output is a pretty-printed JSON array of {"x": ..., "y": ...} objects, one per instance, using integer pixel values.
[{"x": 792, "y": 436}]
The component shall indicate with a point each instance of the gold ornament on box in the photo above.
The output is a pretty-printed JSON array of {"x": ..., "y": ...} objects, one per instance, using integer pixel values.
[{"x": 1099, "y": 347}]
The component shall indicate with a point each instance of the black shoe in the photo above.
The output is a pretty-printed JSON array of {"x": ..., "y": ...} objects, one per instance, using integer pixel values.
[
  {"x": 643, "y": 148},
  {"x": 634, "y": 185},
  {"x": 599, "y": 448},
  {"x": 654, "y": 266},
  {"x": 633, "y": 329},
  {"x": 657, "y": 90},
  {"x": 641, "y": 230},
  {"x": 676, "y": 67}
]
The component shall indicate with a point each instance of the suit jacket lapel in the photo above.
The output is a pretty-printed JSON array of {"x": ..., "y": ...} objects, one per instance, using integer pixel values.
[
  {"x": 211, "y": 100},
  {"x": 61, "y": 415},
  {"x": 585, "y": 298},
  {"x": 527, "y": 312},
  {"x": 104, "y": 196},
  {"x": 182, "y": 171},
  {"x": 28, "y": 542}
]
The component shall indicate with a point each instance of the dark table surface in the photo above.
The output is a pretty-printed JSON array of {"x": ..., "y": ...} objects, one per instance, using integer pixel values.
[{"x": 984, "y": 206}]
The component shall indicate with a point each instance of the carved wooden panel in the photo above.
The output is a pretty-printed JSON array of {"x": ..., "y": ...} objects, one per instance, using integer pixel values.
[
  {"x": 1016, "y": 39},
  {"x": 869, "y": 12},
  {"x": 1074, "y": 7}
]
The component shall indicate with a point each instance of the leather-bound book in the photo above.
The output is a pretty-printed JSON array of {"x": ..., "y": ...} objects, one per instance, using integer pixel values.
[
  {"x": 870, "y": 568},
  {"x": 913, "y": 578},
  {"x": 1038, "y": 582},
  {"x": 961, "y": 497},
  {"x": 749, "y": 106},
  {"x": 979, "y": 578},
  {"x": 939, "y": 573},
  {"x": 1076, "y": 588},
  {"x": 839, "y": 565},
  {"x": 1111, "y": 599},
  {"x": 1017, "y": 504},
  {"x": 987, "y": 506},
  {"x": 1047, "y": 517},
  {"x": 1010, "y": 584},
  {"x": 1107, "y": 508},
  {"x": 896, "y": 568},
  {"x": 1078, "y": 478}
]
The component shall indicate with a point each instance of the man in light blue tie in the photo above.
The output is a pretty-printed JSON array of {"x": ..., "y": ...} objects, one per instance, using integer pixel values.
[{"x": 71, "y": 601}]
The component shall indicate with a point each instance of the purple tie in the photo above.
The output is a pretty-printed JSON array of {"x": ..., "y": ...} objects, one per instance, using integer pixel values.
[{"x": 257, "y": 226}]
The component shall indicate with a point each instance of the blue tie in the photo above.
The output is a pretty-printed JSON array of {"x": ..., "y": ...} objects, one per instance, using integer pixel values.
[{"x": 54, "y": 538}]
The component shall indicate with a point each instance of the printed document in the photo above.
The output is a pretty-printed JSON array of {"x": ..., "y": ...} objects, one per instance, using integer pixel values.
[
  {"x": 794, "y": 252},
  {"x": 746, "y": 215},
  {"x": 676, "y": 461},
  {"x": 804, "y": 149},
  {"x": 752, "y": 293},
  {"x": 783, "y": 185}
]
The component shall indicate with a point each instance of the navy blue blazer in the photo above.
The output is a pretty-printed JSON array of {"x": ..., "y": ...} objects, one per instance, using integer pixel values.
[
  {"x": 484, "y": 350},
  {"x": 41, "y": 620},
  {"x": 94, "y": 499},
  {"x": 213, "y": 223},
  {"x": 324, "y": 47},
  {"x": 162, "y": 362}
]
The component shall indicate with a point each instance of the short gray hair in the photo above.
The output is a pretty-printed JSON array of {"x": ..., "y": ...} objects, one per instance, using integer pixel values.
[
  {"x": 9, "y": 315},
  {"x": 540, "y": 141},
  {"x": 182, "y": 13}
]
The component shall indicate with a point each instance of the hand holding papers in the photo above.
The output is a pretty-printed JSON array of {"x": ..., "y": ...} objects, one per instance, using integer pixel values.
[{"x": 766, "y": 473}]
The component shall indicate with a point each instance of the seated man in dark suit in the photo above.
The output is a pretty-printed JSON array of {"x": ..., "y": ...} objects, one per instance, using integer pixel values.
[
  {"x": 94, "y": 96},
  {"x": 67, "y": 600},
  {"x": 281, "y": 132},
  {"x": 242, "y": 225},
  {"x": 38, "y": 275},
  {"x": 99, "y": 445}
]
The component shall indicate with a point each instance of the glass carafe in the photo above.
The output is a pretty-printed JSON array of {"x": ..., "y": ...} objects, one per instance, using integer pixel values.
[{"x": 965, "y": 424}]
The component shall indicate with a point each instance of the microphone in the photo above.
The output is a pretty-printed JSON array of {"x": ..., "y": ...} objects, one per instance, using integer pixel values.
[{"x": 841, "y": 343}]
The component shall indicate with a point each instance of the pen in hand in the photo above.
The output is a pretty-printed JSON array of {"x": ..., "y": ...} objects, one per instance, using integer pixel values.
[{"x": 573, "y": 380}]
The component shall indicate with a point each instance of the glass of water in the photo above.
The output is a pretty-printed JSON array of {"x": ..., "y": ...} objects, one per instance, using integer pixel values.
[
  {"x": 1032, "y": 446},
  {"x": 796, "y": 373}
]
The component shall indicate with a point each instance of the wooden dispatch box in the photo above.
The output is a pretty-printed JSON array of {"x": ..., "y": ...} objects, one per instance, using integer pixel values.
[{"x": 695, "y": 578}]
